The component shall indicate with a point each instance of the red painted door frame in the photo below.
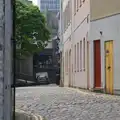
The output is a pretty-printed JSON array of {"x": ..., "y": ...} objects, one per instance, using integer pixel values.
[{"x": 97, "y": 64}]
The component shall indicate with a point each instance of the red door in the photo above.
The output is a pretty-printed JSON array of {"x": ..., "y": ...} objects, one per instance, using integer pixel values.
[{"x": 97, "y": 64}]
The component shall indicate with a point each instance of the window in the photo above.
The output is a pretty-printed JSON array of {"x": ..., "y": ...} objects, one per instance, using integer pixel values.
[
  {"x": 78, "y": 57},
  {"x": 67, "y": 61},
  {"x": 66, "y": 10},
  {"x": 70, "y": 10},
  {"x": 77, "y": 5},
  {"x": 74, "y": 6},
  {"x": 67, "y": 16},
  {"x": 75, "y": 58},
  {"x": 80, "y": 3},
  {"x": 68, "y": 13},
  {"x": 84, "y": 54},
  {"x": 64, "y": 21}
]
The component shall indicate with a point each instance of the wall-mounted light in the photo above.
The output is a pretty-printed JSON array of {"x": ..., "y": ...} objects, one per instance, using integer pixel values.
[{"x": 101, "y": 32}]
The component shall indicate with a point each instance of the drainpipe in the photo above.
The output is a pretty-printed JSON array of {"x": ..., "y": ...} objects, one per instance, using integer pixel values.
[{"x": 14, "y": 58}]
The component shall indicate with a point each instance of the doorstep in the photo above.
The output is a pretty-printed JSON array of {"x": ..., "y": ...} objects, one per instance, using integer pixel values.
[{"x": 98, "y": 89}]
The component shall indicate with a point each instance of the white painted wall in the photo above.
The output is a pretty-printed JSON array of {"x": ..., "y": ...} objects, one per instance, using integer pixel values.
[
  {"x": 67, "y": 47},
  {"x": 81, "y": 76},
  {"x": 111, "y": 31},
  {"x": 82, "y": 13},
  {"x": 66, "y": 43},
  {"x": 80, "y": 27},
  {"x": 77, "y": 30}
]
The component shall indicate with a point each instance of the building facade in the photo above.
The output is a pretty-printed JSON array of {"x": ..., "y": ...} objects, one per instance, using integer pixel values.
[
  {"x": 90, "y": 43},
  {"x": 76, "y": 27},
  {"x": 50, "y": 5},
  {"x": 104, "y": 37}
]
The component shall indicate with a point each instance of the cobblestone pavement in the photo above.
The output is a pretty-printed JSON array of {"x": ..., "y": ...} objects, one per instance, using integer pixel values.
[{"x": 57, "y": 103}]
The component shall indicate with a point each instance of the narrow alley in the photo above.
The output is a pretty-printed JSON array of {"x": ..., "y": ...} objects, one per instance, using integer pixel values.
[{"x": 55, "y": 103}]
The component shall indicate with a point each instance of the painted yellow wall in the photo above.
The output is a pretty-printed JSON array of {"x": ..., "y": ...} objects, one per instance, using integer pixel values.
[{"x": 103, "y": 8}]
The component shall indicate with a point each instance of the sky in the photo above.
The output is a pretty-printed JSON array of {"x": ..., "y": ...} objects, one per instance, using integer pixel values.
[{"x": 35, "y": 2}]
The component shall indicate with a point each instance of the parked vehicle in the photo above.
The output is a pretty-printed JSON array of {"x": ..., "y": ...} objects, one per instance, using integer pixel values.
[{"x": 42, "y": 78}]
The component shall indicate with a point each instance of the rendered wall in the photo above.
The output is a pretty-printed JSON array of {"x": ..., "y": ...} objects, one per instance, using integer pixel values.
[
  {"x": 103, "y": 8},
  {"x": 110, "y": 28}
]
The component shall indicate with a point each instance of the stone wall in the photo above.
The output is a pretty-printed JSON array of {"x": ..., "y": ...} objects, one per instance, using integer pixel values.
[
  {"x": 1, "y": 56},
  {"x": 5, "y": 59}
]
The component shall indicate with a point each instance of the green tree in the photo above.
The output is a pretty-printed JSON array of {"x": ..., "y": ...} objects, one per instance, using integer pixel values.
[
  {"x": 32, "y": 34},
  {"x": 26, "y": 2}
]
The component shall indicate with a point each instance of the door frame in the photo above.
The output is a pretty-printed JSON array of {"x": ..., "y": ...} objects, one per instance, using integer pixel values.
[{"x": 105, "y": 63}]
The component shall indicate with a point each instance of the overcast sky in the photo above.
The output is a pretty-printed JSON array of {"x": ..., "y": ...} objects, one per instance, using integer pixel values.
[{"x": 35, "y": 2}]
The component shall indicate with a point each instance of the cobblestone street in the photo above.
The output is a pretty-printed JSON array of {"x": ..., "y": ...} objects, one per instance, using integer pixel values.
[{"x": 55, "y": 103}]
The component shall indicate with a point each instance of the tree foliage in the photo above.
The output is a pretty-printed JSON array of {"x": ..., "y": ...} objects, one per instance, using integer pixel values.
[{"x": 32, "y": 34}]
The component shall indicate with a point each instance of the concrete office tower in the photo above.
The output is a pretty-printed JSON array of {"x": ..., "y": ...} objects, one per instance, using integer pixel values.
[{"x": 50, "y": 5}]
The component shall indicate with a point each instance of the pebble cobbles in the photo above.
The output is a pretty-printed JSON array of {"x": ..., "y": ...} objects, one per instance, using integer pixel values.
[{"x": 55, "y": 103}]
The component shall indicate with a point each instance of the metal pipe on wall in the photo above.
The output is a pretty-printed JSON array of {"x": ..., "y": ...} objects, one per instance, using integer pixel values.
[{"x": 14, "y": 56}]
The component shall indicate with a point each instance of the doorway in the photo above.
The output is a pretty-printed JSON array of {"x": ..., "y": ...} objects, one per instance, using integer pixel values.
[
  {"x": 109, "y": 66},
  {"x": 97, "y": 64},
  {"x": 70, "y": 68}
]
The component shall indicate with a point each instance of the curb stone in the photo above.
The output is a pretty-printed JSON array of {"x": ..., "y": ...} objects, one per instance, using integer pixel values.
[
  {"x": 36, "y": 117},
  {"x": 87, "y": 92}
]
